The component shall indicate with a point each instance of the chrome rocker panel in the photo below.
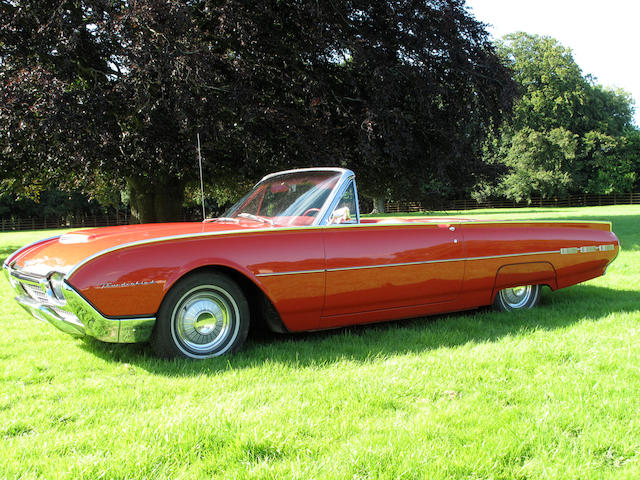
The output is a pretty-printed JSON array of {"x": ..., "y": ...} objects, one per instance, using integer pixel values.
[{"x": 77, "y": 317}]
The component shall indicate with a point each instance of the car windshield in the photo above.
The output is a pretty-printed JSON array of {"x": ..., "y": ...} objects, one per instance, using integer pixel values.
[{"x": 294, "y": 198}]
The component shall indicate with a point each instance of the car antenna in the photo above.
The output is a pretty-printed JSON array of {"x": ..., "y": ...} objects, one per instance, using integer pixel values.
[{"x": 201, "y": 181}]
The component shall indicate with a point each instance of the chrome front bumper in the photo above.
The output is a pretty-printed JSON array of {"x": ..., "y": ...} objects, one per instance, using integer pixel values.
[{"x": 76, "y": 317}]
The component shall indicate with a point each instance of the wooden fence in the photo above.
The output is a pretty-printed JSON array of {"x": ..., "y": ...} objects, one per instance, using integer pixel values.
[
  {"x": 87, "y": 221},
  {"x": 584, "y": 200},
  {"x": 13, "y": 224}
]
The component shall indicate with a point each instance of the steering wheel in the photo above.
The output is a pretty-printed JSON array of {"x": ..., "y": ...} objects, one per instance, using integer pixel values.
[{"x": 311, "y": 212}]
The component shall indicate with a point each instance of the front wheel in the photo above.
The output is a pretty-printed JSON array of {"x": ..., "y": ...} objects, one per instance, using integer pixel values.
[
  {"x": 517, "y": 298},
  {"x": 204, "y": 315}
]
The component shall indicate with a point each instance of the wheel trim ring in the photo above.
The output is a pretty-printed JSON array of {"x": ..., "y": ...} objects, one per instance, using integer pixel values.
[
  {"x": 516, "y": 297},
  {"x": 220, "y": 341}
]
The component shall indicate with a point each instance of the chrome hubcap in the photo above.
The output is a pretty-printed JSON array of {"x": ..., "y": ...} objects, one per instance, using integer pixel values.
[
  {"x": 204, "y": 319},
  {"x": 205, "y": 323},
  {"x": 516, "y": 297}
]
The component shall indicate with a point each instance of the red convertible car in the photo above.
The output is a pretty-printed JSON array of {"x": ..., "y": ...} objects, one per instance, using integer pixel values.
[{"x": 295, "y": 254}]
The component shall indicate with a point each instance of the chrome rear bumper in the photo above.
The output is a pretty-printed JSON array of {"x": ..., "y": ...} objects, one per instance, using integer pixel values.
[{"x": 76, "y": 317}]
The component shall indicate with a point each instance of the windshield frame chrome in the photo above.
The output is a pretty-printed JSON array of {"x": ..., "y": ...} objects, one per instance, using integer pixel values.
[
  {"x": 342, "y": 185},
  {"x": 343, "y": 182}
]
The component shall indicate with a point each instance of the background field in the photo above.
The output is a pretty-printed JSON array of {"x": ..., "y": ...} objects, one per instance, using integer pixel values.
[{"x": 548, "y": 393}]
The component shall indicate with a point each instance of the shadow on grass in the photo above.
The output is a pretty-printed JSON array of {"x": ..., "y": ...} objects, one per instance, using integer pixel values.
[{"x": 364, "y": 343}]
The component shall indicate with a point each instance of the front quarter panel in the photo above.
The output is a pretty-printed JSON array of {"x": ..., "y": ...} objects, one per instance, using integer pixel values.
[
  {"x": 132, "y": 281},
  {"x": 18, "y": 257}
]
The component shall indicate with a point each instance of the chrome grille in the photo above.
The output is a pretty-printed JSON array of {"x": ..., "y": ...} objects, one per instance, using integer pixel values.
[
  {"x": 68, "y": 316},
  {"x": 36, "y": 292},
  {"x": 33, "y": 292}
]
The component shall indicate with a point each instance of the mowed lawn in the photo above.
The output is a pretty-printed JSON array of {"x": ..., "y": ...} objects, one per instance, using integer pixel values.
[{"x": 549, "y": 393}]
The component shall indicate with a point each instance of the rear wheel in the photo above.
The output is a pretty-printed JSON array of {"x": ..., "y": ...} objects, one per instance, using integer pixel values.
[
  {"x": 204, "y": 315},
  {"x": 517, "y": 298}
]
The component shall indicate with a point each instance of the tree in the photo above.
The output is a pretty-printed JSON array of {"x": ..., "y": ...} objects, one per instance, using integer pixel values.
[
  {"x": 568, "y": 134},
  {"x": 539, "y": 163},
  {"x": 52, "y": 205},
  {"x": 402, "y": 92},
  {"x": 111, "y": 87},
  {"x": 409, "y": 91},
  {"x": 114, "y": 92}
]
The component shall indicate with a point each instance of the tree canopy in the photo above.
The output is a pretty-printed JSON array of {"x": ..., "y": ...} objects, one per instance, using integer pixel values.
[
  {"x": 567, "y": 134},
  {"x": 111, "y": 93}
]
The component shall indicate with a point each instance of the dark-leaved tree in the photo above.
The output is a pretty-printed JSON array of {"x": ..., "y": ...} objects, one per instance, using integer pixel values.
[
  {"x": 402, "y": 92},
  {"x": 422, "y": 89},
  {"x": 113, "y": 92},
  {"x": 111, "y": 89}
]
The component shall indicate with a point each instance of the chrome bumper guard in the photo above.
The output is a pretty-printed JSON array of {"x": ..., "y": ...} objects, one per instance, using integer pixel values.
[{"x": 76, "y": 317}]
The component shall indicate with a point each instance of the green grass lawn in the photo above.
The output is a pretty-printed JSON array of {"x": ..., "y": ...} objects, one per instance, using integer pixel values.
[{"x": 548, "y": 393}]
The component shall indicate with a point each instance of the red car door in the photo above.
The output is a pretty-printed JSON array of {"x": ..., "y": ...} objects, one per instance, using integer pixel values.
[{"x": 379, "y": 272}]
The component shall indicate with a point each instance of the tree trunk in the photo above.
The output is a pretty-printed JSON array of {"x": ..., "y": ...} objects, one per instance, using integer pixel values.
[
  {"x": 155, "y": 199},
  {"x": 379, "y": 205}
]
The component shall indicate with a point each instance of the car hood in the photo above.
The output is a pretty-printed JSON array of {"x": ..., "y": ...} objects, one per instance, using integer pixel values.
[{"x": 62, "y": 253}]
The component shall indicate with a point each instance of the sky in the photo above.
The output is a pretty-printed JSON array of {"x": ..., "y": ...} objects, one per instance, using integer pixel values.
[{"x": 604, "y": 35}]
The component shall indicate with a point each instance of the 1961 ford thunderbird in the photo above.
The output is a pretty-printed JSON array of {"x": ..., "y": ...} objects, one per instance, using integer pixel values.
[{"x": 294, "y": 254}]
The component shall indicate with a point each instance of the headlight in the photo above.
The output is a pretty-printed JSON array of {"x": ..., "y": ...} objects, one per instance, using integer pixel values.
[{"x": 56, "y": 280}]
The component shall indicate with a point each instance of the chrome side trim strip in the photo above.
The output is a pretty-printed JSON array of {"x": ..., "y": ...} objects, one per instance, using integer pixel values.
[
  {"x": 562, "y": 251},
  {"x": 508, "y": 255},
  {"x": 588, "y": 249},
  {"x": 454, "y": 221},
  {"x": 297, "y": 272},
  {"x": 447, "y": 260},
  {"x": 305, "y": 228},
  {"x": 404, "y": 264}
]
